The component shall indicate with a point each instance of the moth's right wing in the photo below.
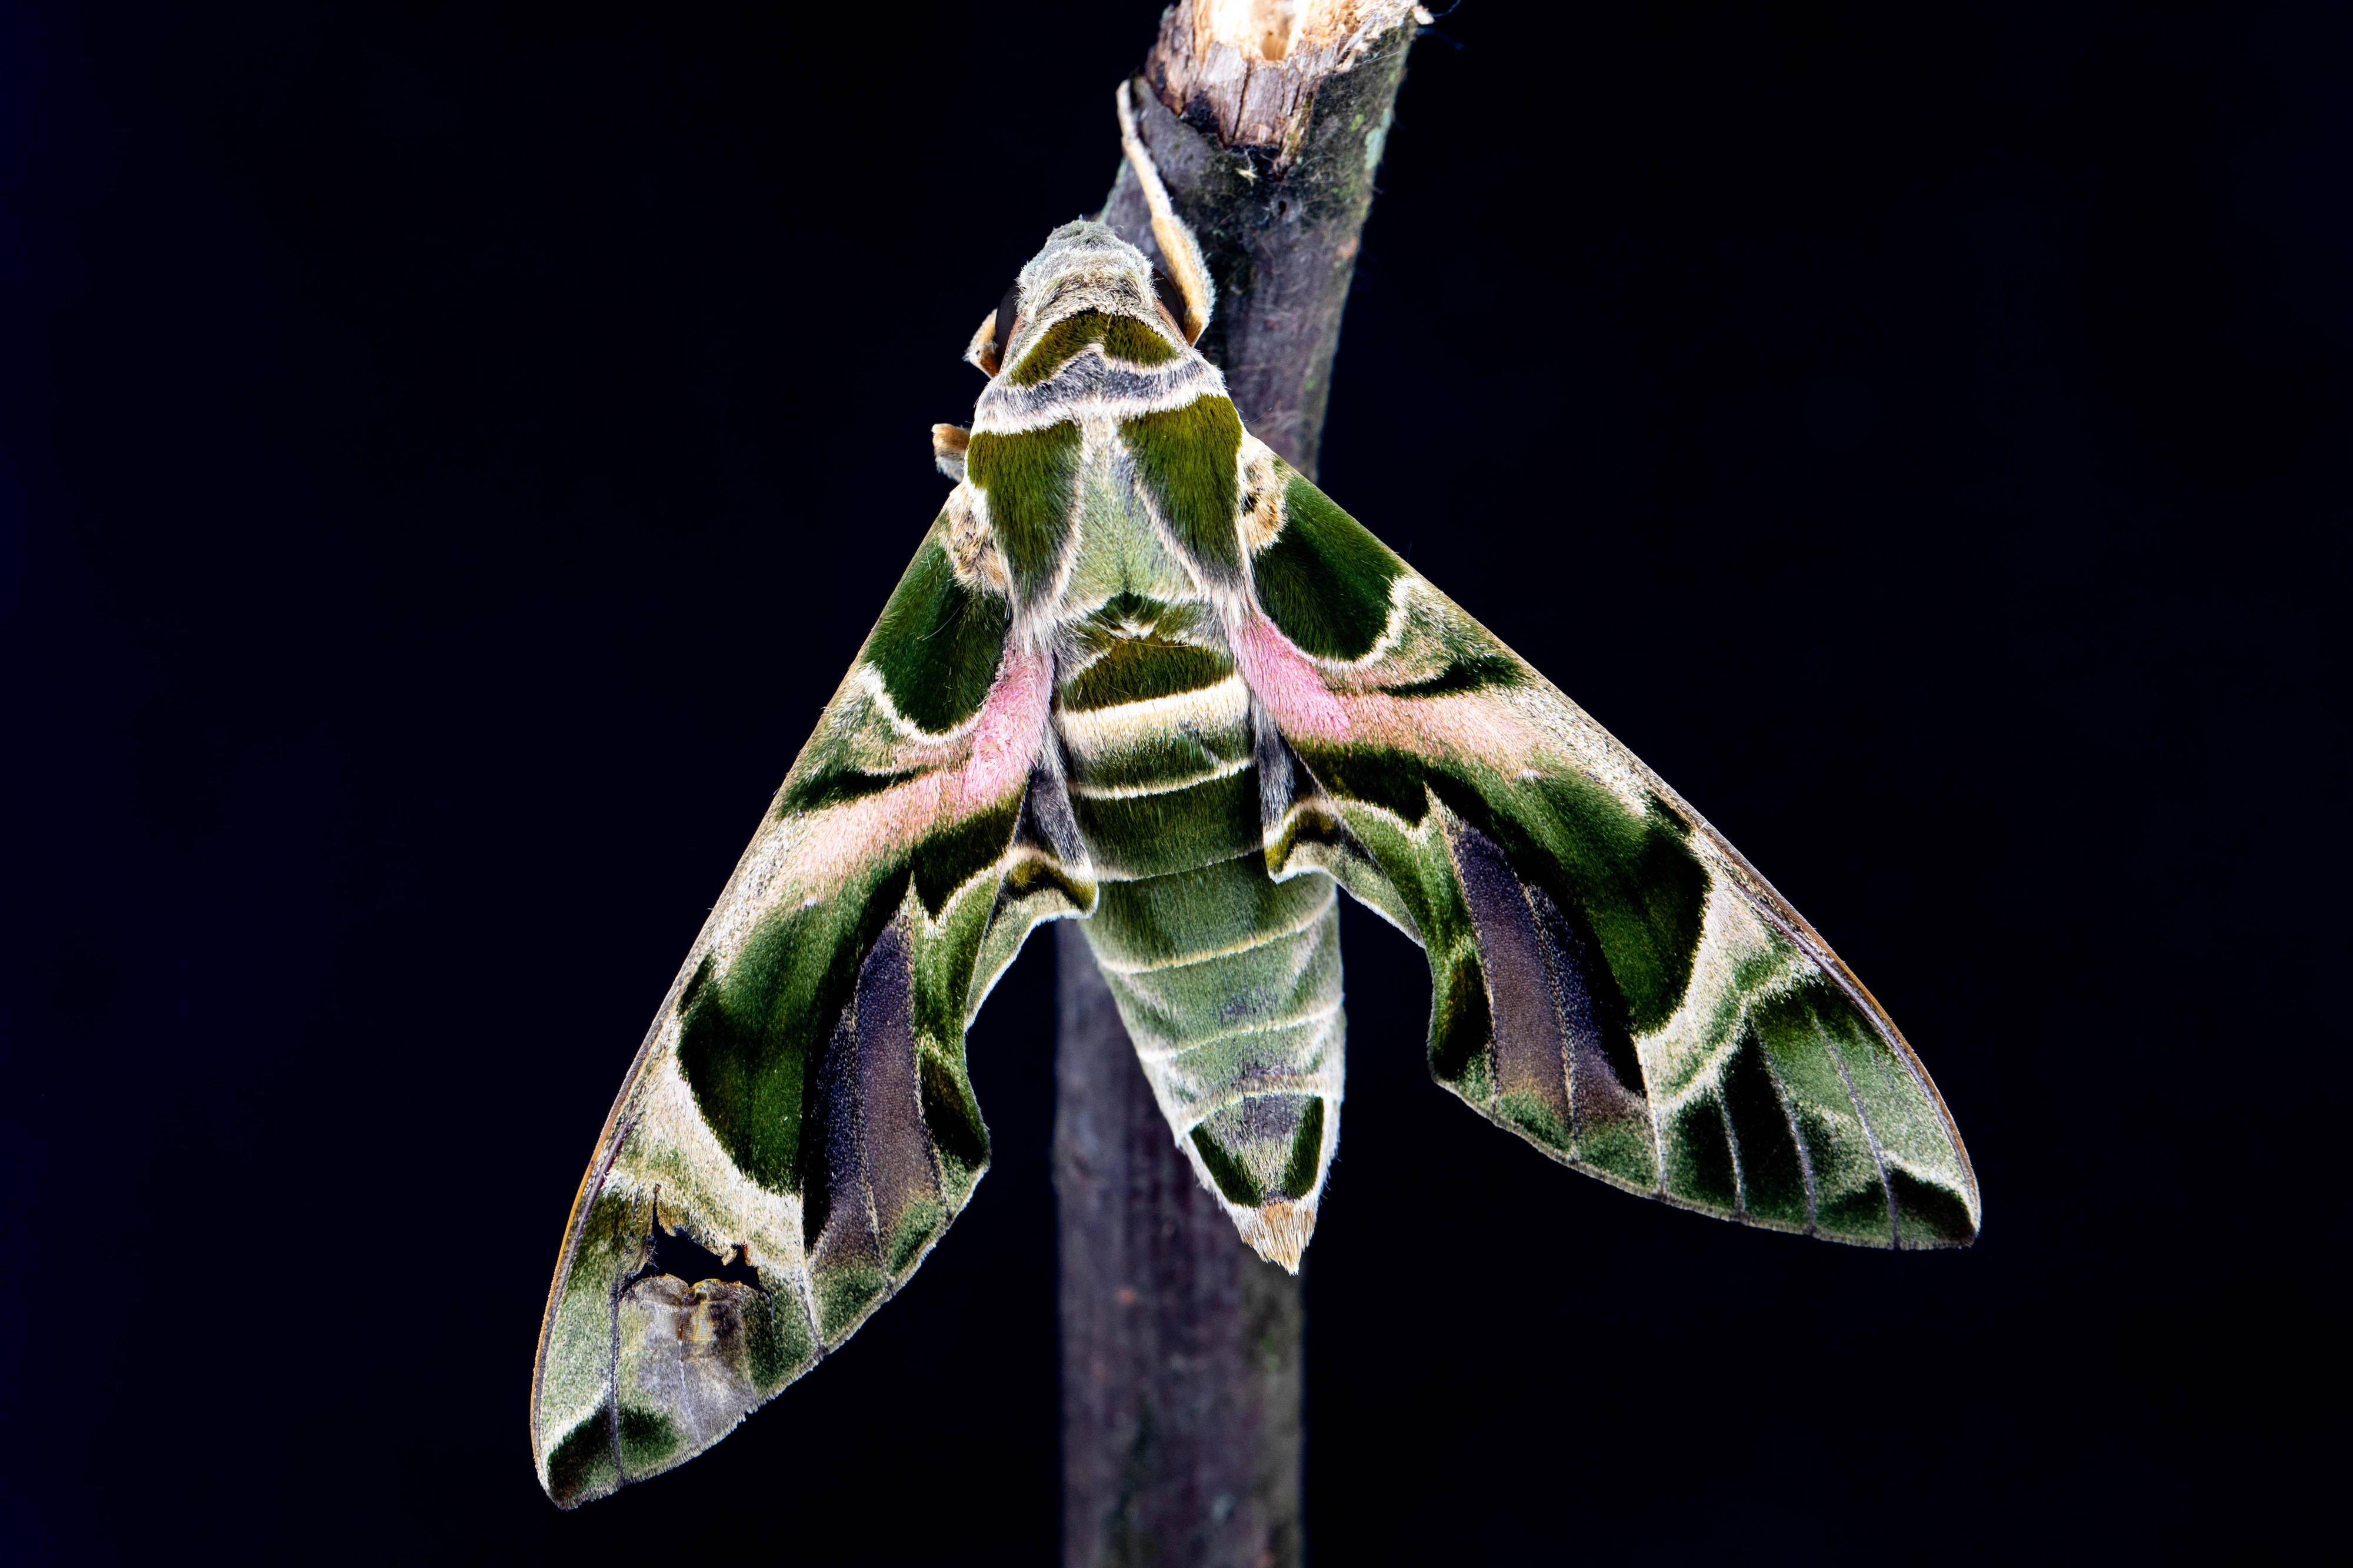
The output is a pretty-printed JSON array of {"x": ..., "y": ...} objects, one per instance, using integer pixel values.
[
  {"x": 1612, "y": 981},
  {"x": 798, "y": 1128}
]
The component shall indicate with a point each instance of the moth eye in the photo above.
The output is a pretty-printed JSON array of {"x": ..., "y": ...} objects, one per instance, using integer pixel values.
[
  {"x": 1171, "y": 300},
  {"x": 1005, "y": 322}
]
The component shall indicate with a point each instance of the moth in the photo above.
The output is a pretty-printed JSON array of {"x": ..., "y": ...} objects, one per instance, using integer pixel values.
[{"x": 1144, "y": 675}]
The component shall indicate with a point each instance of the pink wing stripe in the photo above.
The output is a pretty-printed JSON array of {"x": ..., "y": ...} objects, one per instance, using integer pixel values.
[
  {"x": 1002, "y": 744},
  {"x": 1305, "y": 708}
]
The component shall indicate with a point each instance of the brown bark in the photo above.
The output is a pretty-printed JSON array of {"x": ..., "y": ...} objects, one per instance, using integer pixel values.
[
  {"x": 1182, "y": 1434},
  {"x": 1183, "y": 1421}
]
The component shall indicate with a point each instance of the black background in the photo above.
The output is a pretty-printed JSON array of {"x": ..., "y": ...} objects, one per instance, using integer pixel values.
[{"x": 454, "y": 451}]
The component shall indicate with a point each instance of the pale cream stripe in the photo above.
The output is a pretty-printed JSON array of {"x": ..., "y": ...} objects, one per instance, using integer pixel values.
[
  {"x": 1091, "y": 729},
  {"x": 1136, "y": 792},
  {"x": 1161, "y": 1048}
]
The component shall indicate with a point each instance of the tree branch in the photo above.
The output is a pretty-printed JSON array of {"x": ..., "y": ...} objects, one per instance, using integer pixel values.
[{"x": 1183, "y": 1420}]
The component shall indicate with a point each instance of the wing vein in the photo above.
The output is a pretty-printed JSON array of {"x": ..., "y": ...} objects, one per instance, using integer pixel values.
[
  {"x": 1781, "y": 1097},
  {"x": 1732, "y": 1141},
  {"x": 1871, "y": 1136},
  {"x": 613, "y": 1365}
]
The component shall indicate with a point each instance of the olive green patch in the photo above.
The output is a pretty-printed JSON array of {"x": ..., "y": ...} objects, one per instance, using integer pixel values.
[
  {"x": 829, "y": 1166},
  {"x": 1859, "y": 1216},
  {"x": 1460, "y": 1025},
  {"x": 946, "y": 858},
  {"x": 1529, "y": 1114},
  {"x": 833, "y": 786},
  {"x": 1308, "y": 829},
  {"x": 1129, "y": 339},
  {"x": 844, "y": 1292},
  {"x": 1621, "y": 1148},
  {"x": 1773, "y": 1182},
  {"x": 1031, "y": 479},
  {"x": 1026, "y": 878},
  {"x": 1479, "y": 672},
  {"x": 1122, "y": 337},
  {"x": 1137, "y": 671},
  {"x": 745, "y": 1043},
  {"x": 1790, "y": 1024},
  {"x": 938, "y": 643},
  {"x": 917, "y": 1225},
  {"x": 609, "y": 1246},
  {"x": 1190, "y": 915},
  {"x": 1061, "y": 341},
  {"x": 1232, "y": 1179},
  {"x": 1131, "y": 615},
  {"x": 1162, "y": 757},
  {"x": 1699, "y": 1156},
  {"x": 1187, "y": 460},
  {"x": 746, "y": 1078},
  {"x": 1307, "y": 1152},
  {"x": 581, "y": 1465},
  {"x": 1796, "y": 1028},
  {"x": 1325, "y": 580},
  {"x": 1372, "y": 775},
  {"x": 1930, "y": 1215},
  {"x": 1235, "y": 1013},
  {"x": 952, "y": 1117},
  {"x": 775, "y": 1340},
  {"x": 1175, "y": 829},
  {"x": 647, "y": 1437},
  {"x": 1904, "y": 1118}
]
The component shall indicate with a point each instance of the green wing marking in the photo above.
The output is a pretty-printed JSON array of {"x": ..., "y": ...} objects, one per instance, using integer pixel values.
[
  {"x": 1610, "y": 979},
  {"x": 1185, "y": 460},
  {"x": 799, "y": 1127},
  {"x": 1031, "y": 483},
  {"x": 1324, "y": 580},
  {"x": 1120, "y": 337}
]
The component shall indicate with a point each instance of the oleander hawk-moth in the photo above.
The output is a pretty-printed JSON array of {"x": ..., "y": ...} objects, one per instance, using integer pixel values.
[{"x": 1143, "y": 674}]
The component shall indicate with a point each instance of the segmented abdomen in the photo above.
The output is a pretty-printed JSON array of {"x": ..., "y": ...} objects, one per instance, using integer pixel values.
[{"x": 1229, "y": 981}]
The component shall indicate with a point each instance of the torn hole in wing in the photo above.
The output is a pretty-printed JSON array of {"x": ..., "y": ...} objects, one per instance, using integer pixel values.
[{"x": 675, "y": 1253}]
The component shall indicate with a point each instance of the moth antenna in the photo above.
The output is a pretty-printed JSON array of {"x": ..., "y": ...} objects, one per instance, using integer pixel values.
[{"x": 1179, "y": 251}]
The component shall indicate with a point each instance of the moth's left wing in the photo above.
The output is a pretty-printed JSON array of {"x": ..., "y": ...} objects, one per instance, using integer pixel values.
[
  {"x": 1611, "y": 979},
  {"x": 798, "y": 1128}
]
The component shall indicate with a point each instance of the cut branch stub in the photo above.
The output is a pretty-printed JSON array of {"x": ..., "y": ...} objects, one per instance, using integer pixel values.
[{"x": 1248, "y": 71}]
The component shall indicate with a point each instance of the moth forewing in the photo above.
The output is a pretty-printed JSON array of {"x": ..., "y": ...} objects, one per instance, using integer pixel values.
[{"x": 800, "y": 1111}]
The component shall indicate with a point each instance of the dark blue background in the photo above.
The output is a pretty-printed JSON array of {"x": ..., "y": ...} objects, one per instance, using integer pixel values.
[{"x": 452, "y": 451}]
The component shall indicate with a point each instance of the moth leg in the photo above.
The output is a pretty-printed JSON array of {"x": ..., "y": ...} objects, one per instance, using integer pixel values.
[
  {"x": 948, "y": 442},
  {"x": 1180, "y": 253}
]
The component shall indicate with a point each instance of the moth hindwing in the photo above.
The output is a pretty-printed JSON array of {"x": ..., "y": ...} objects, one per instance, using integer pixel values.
[{"x": 1142, "y": 674}]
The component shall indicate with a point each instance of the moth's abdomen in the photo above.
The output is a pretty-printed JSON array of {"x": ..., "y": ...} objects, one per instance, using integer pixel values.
[
  {"x": 1228, "y": 981},
  {"x": 1230, "y": 985}
]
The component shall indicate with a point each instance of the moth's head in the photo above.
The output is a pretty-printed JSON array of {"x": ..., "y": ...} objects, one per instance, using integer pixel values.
[{"x": 1084, "y": 267}]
